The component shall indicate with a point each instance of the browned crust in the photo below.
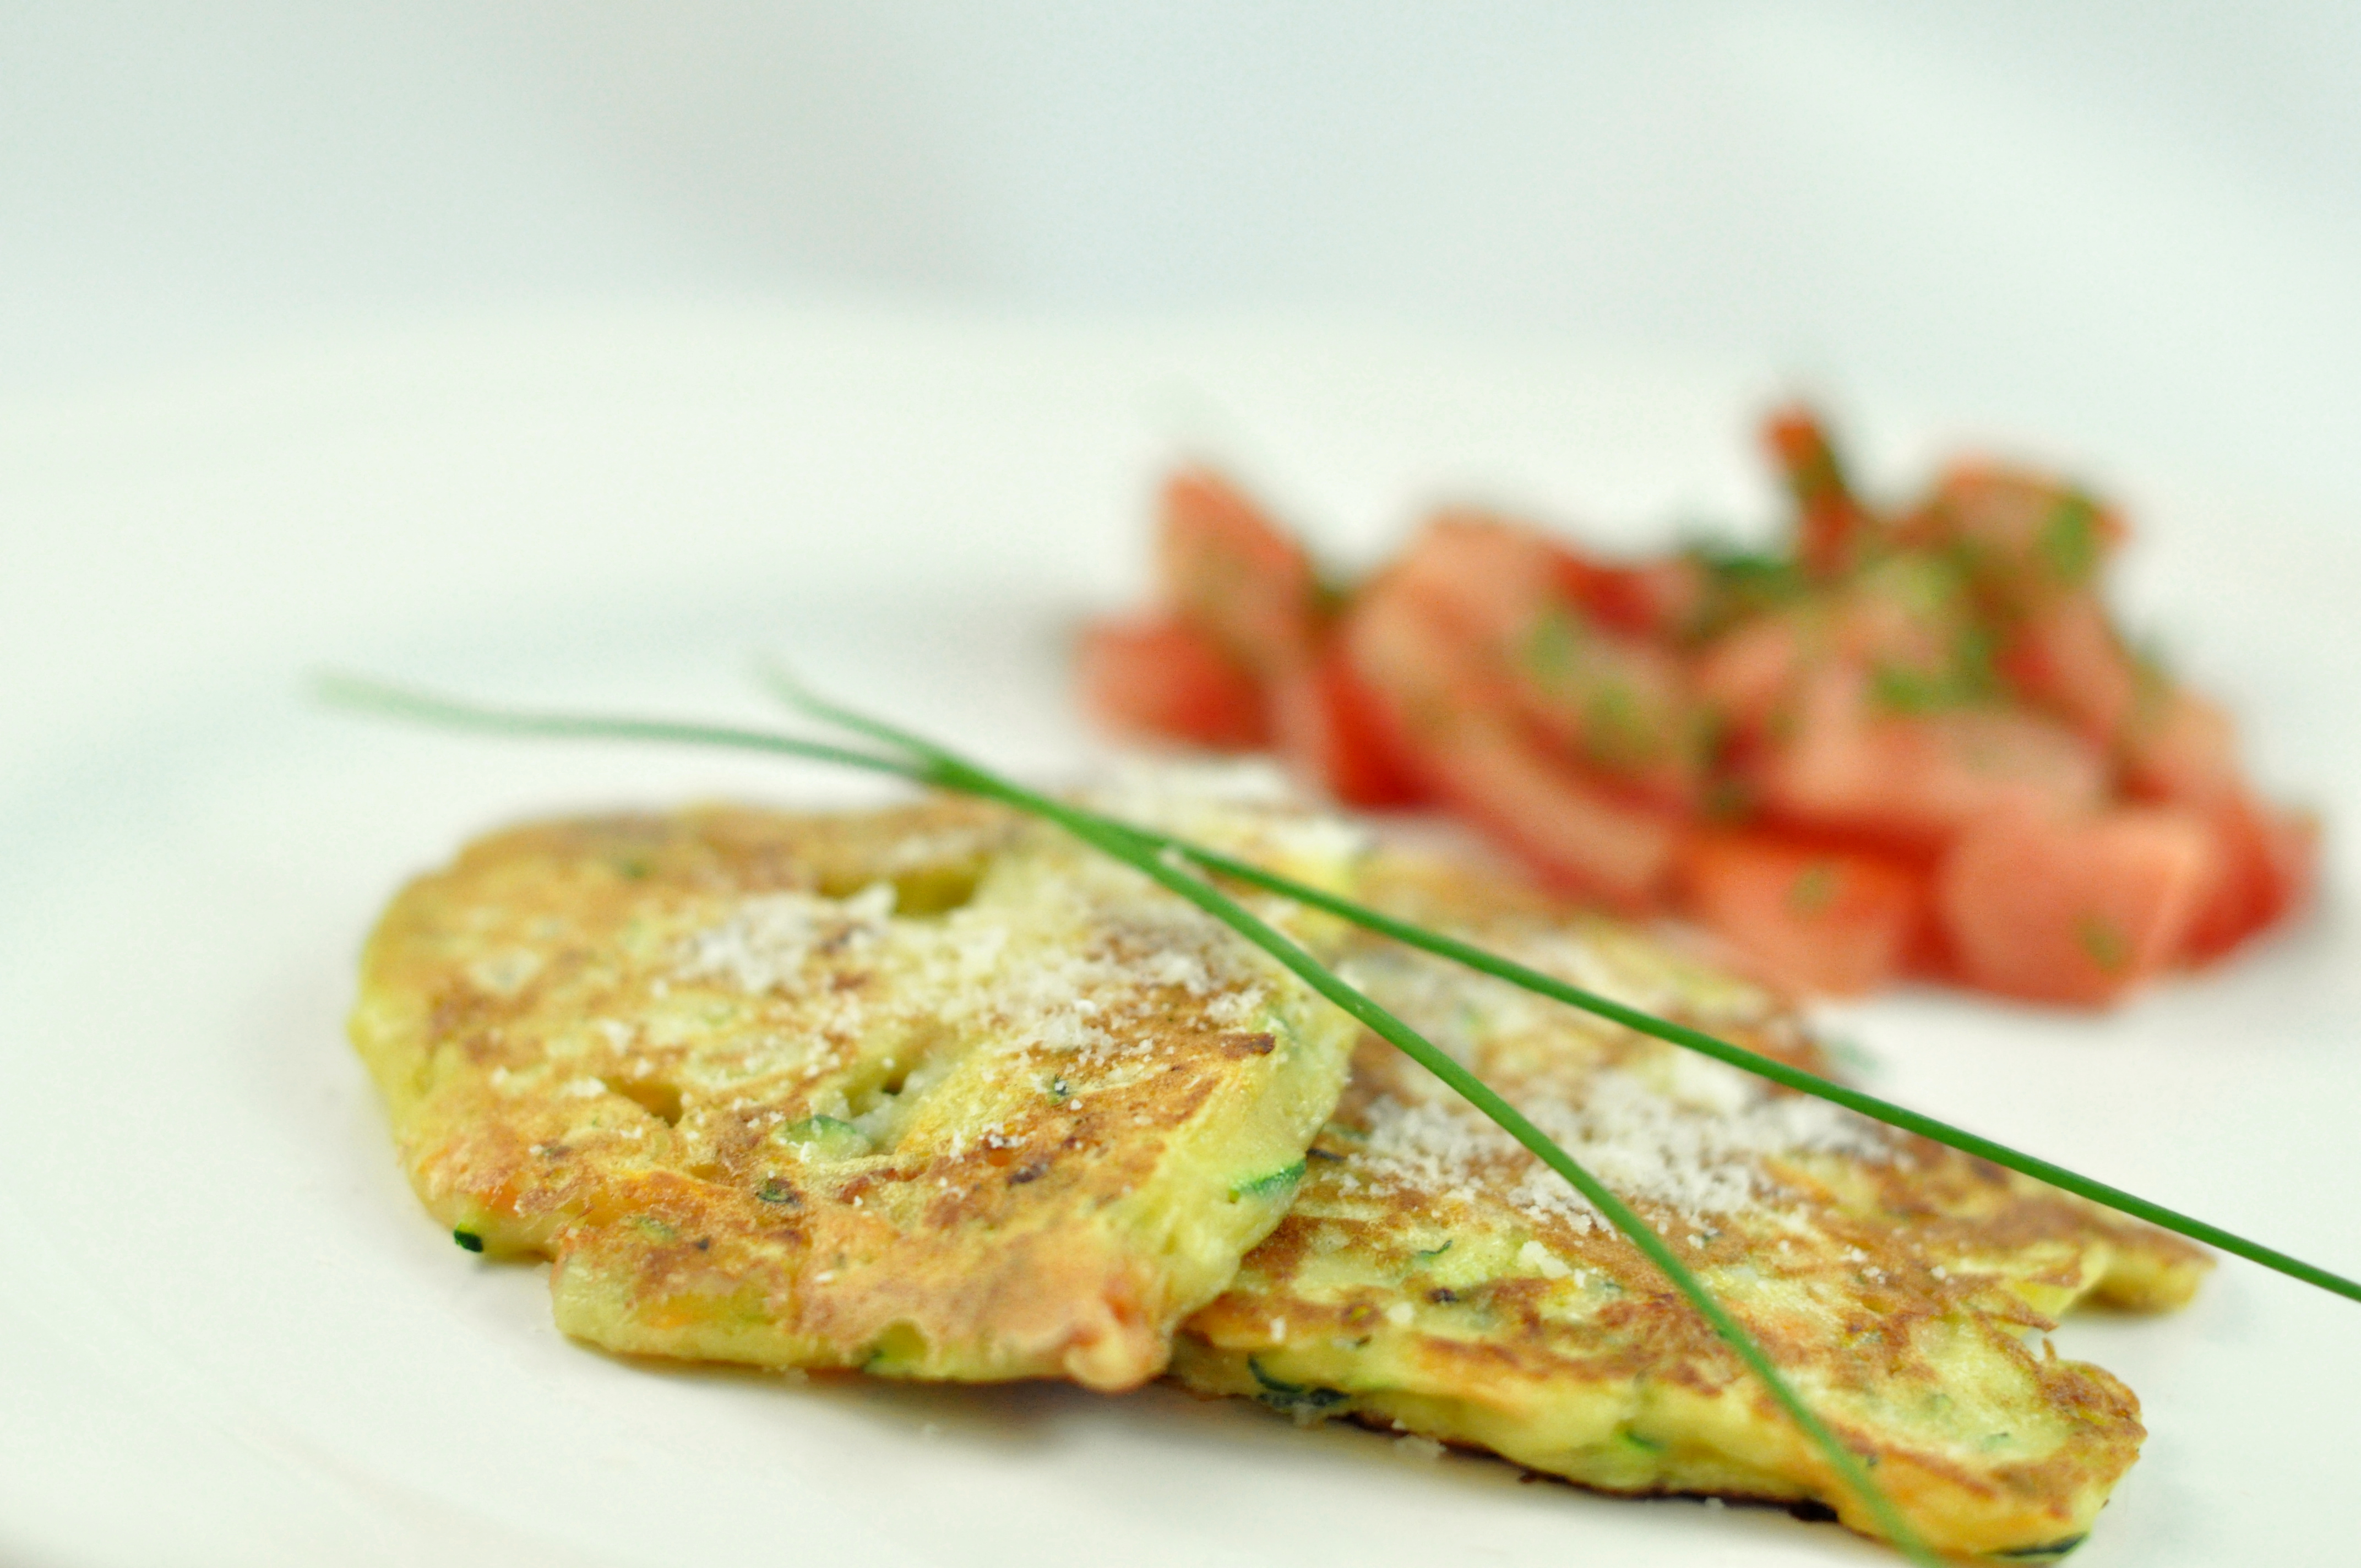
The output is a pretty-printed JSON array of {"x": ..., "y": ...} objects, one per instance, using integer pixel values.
[
  {"x": 1894, "y": 1292},
  {"x": 656, "y": 1182}
]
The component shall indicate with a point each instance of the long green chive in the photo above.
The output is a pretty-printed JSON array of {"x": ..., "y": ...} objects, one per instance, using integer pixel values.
[
  {"x": 1168, "y": 871},
  {"x": 402, "y": 702},
  {"x": 1544, "y": 984},
  {"x": 1161, "y": 857},
  {"x": 1166, "y": 862},
  {"x": 926, "y": 764},
  {"x": 1771, "y": 1067}
]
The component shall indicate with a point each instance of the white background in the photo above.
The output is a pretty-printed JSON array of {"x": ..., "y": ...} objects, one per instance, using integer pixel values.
[{"x": 2124, "y": 228}]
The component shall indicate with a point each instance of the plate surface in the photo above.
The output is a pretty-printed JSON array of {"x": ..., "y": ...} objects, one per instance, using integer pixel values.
[{"x": 228, "y": 1334}]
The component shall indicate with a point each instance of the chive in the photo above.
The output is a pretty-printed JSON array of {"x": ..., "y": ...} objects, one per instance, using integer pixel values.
[
  {"x": 1968, "y": 679},
  {"x": 1741, "y": 584},
  {"x": 1771, "y": 1067},
  {"x": 1164, "y": 863},
  {"x": 1617, "y": 733},
  {"x": 931, "y": 766},
  {"x": 468, "y": 1240},
  {"x": 1164, "y": 858},
  {"x": 1898, "y": 688},
  {"x": 402, "y": 703}
]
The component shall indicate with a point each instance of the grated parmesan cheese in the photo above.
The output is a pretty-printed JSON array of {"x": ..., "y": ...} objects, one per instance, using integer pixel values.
[
  {"x": 1656, "y": 1124},
  {"x": 769, "y": 937},
  {"x": 1645, "y": 1145}
]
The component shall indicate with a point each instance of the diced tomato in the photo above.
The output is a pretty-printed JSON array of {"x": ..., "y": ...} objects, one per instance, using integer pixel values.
[
  {"x": 1832, "y": 526},
  {"x": 1493, "y": 575},
  {"x": 1750, "y": 674},
  {"x": 1814, "y": 918},
  {"x": 2265, "y": 858},
  {"x": 1449, "y": 720},
  {"x": 1162, "y": 675},
  {"x": 1334, "y": 737},
  {"x": 1618, "y": 704},
  {"x": 1918, "y": 779},
  {"x": 2073, "y": 908},
  {"x": 2065, "y": 657},
  {"x": 2027, "y": 536},
  {"x": 1488, "y": 579},
  {"x": 2178, "y": 746},
  {"x": 1911, "y": 743},
  {"x": 1569, "y": 829},
  {"x": 1643, "y": 599},
  {"x": 1420, "y": 671},
  {"x": 1227, "y": 569},
  {"x": 1906, "y": 621},
  {"x": 1911, "y": 614}
]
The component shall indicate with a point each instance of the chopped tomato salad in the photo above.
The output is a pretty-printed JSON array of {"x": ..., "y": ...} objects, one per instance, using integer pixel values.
[{"x": 1912, "y": 742}]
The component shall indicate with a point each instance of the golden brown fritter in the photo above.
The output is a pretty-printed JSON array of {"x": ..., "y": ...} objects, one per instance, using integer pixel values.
[
  {"x": 929, "y": 1093},
  {"x": 1434, "y": 1277}
]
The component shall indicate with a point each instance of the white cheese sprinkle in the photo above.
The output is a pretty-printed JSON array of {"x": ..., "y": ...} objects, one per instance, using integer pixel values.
[
  {"x": 769, "y": 937},
  {"x": 1644, "y": 1145}
]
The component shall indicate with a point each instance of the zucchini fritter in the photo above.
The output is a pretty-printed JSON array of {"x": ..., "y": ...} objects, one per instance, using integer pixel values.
[
  {"x": 1434, "y": 1277},
  {"x": 929, "y": 1092}
]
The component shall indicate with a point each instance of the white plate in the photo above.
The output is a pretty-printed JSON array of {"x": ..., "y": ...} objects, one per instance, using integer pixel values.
[{"x": 228, "y": 1335}]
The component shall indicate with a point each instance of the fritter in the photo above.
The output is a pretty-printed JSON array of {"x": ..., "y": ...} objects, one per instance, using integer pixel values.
[
  {"x": 1434, "y": 1277},
  {"x": 929, "y": 1093}
]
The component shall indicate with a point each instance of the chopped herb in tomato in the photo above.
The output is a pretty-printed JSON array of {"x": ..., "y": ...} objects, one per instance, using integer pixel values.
[
  {"x": 2103, "y": 941},
  {"x": 1909, "y": 739},
  {"x": 2070, "y": 540}
]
